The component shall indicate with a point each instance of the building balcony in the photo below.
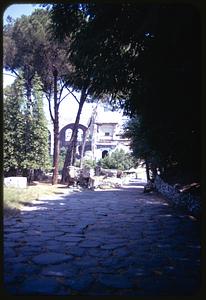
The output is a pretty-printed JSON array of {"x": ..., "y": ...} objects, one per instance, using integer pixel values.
[{"x": 111, "y": 140}]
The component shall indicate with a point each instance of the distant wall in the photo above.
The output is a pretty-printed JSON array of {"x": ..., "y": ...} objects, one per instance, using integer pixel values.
[{"x": 182, "y": 200}]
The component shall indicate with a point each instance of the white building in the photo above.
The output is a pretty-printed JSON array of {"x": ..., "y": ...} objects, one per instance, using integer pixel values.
[{"x": 105, "y": 134}]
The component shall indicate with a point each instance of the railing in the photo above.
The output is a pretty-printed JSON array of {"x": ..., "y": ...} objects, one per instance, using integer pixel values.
[{"x": 106, "y": 140}]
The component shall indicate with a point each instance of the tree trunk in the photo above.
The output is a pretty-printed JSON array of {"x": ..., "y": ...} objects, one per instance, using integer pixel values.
[
  {"x": 91, "y": 123},
  {"x": 154, "y": 171},
  {"x": 147, "y": 170},
  {"x": 83, "y": 147},
  {"x": 56, "y": 151},
  {"x": 71, "y": 150},
  {"x": 56, "y": 132},
  {"x": 27, "y": 117}
]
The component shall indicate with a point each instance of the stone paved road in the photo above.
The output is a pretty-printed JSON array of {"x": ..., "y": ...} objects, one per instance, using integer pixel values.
[{"x": 114, "y": 242}]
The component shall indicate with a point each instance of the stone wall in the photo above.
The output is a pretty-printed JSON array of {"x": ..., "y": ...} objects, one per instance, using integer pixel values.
[{"x": 179, "y": 199}]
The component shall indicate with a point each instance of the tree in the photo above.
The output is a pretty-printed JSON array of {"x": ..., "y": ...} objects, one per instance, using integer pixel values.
[
  {"x": 149, "y": 55},
  {"x": 141, "y": 148},
  {"x": 25, "y": 130},
  {"x": 13, "y": 127},
  {"x": 56, "y": 74},
  {"x": 81, "y": 82},
  {"x": 39, "y": 130},
  {"x": 29, "y": 47},
  {"x": 106, "y": 39},
  {"x": 99, "y": 57},
  {"x": 169, "y": 97},
  {"x": 71, "y": 150}
]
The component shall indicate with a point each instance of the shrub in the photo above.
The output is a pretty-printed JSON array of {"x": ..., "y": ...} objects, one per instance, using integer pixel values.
[
  {"x": 118, "y": 159},
  {"x": 89, "y": 163}
]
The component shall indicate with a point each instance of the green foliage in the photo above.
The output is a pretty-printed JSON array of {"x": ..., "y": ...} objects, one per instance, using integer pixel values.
[
  {"x": 149, "y": 56},
  {"x": 30, "y": 47},
  {"x": 118, "y": 159},
  {"x": 77, "y": 163},
  {"x": 141, "y": 147},
  {"x": 39, "y": 132},
  {"x": 89, "y": 163},
  {"x": 62, "y": 156},
  {"x": 14, "y": 125},
  {"x": 35, "y": 51},
  {"x": 50, "y": 164},
  {"x": 25, "y": 129}
]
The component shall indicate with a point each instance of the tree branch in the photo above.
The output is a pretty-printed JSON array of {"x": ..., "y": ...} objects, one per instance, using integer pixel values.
[
  {"x": 61, "y": 90},
  {"x": 50, "y": 110},
  {"x": 64, "y": 97},
  {"x": 9, "y": 75},
  {"x": 31, "y": 77},
  {"x": 71, "y": 92},
  {"x": 13, "y": 71}
]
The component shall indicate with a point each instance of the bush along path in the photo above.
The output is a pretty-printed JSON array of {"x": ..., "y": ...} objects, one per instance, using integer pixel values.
[{"x": 111, "y": 242}]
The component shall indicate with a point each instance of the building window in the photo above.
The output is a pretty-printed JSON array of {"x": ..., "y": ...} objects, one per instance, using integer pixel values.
[
  {"x": 106, "y": 134},
  {"x": 105, "y": 153},
  {"x": 68, "y": 134}
]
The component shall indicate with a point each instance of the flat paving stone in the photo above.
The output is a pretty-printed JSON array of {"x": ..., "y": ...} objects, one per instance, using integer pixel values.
[
  {"x": 111, "y": 246},
  {"x": 113, "y": 242},
  {"x": 9, "y": 252},
  {"x": 69, "y": 245},
  {"x": 9, "y": 230},
  {"x": 54, "y": 273},
  {"x": 115, "y": 281},
  {"x": 17, "y": 259},
  {"x": 53, "y": 234},
  {"x": 60, "y": 270},
  {"x": 40, "y": 238},
  {"x": 15, "y": 235},
  {"x": 24, "y": 269},
  {"x": 8, "y": 279},
  {"x": 67, "y": 238},
  {"x": 135, "y": 272},
  {"x": 80, "y": 283},
  {"x": 55, "y": 248},
  {"x": 28, "y": 250},
  {"x": 51, "y": 258},
  {"x": 121, "y": 252},
  {"x": 86, "y": 261},
  {"x": 76, "y": 251},
  {"x": 113, "y": 262},
  {"x": 39, "y": 286},
  {"x": 99, "y": 253},
  {"x": 89, "y": 244}
]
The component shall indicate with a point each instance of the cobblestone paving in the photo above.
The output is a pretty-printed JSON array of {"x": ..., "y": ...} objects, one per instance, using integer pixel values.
[{"x": 114, "y": 242}]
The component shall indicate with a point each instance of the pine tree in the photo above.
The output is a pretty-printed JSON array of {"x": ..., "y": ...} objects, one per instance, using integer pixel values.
[
  {"x": 14, "y": 123},
  {"x": 25, "y": 130},
  {"x": 40, "y": 152}
]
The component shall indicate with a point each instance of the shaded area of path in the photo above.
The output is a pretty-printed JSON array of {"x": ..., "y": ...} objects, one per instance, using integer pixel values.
[{"x": 114, "y": 242}]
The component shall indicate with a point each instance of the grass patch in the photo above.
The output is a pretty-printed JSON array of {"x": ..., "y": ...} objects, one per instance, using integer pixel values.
[{"x": 16, "y": 198}]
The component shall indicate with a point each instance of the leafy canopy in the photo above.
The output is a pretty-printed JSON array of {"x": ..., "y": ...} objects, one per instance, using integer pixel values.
[{"x": 149, "y": 56}]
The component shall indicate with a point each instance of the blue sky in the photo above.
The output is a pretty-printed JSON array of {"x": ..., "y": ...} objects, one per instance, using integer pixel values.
[{"x": 16, "y": 10}]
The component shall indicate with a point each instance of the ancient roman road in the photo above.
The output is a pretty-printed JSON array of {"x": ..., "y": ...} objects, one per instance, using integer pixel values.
[{"x": 113, "y": 242}]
